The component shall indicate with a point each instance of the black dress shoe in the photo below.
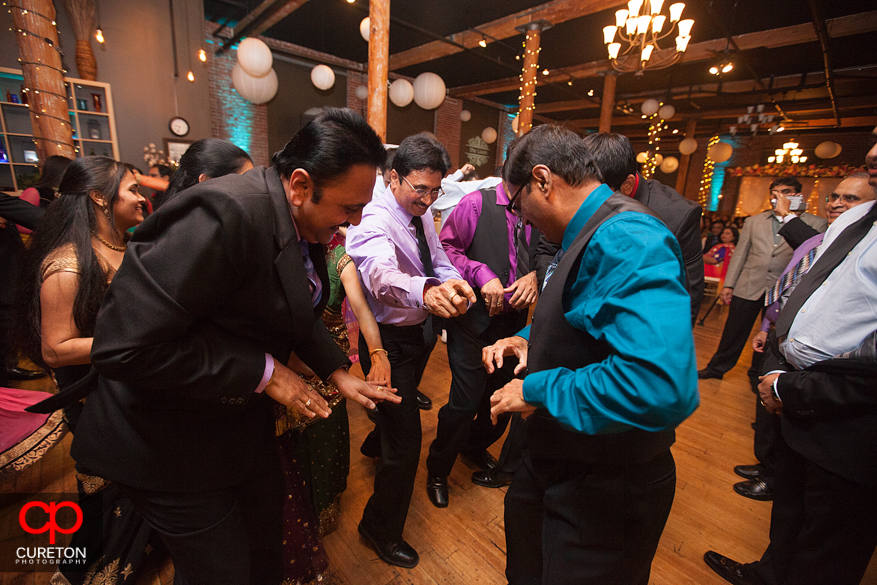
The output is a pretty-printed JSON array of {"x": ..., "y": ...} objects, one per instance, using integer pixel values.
[
  {"x": 437, "y": 491},
  {"x": 22, "y": 374},
  {"x": 423, "y": 401},
  {"x": 749, "y": 471},
  {"x": 730, "y": 571},
  {"x": 395, "y": 553},
  {"x": 754, "y": 489},
  {"x": 492, "y": 478},
  {"x": 482, "y": 460},
  {"x": 708, "y": 373}
]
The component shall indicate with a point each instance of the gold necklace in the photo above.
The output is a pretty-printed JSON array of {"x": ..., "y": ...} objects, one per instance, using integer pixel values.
[{"x": 109, "y": 245}]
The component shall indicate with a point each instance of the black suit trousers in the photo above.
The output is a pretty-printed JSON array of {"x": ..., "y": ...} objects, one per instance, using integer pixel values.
[
  {"x": 399, "y": 432},
  {"x": 471, "y": 388},
  {"x": 597, "y": 524},
  {"x": 228, "y": 536},
  {"x": 741, "y": 317},
  {"x": 823, "y": 528}
]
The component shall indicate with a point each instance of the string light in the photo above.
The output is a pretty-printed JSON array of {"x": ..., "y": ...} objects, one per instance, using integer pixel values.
[
  {"x": 706, "y": 179},
  {"x": 202, "y": 54}
]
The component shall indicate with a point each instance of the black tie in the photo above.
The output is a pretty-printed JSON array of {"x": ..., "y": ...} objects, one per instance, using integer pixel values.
[
  {"x": 522, "y": 252},
  {"x": 423, "y": 247},
  {"x": 830, "y": 259}
]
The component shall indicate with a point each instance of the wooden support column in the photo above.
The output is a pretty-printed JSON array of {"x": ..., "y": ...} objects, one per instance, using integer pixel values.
[
  {"x": 378, "y": 64},
  {"x": 34, "y": 23},
  {"x": 685, "y": 159},
  {"x": 528, "y": 76},
  {"x": 608, "y": 104}
]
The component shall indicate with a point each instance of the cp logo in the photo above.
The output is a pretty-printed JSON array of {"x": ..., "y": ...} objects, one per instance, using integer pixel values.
[{"x": 51, "y": 524}]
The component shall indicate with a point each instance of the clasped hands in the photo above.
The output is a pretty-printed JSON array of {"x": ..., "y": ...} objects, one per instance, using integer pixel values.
[
  {"x": 765, "y": 393},
  {"x": 509, "y": 398},
  {"x": 524, "y": 293},
  {"x": 451, "y": 298},
  {"x": 287, "y": 388}
]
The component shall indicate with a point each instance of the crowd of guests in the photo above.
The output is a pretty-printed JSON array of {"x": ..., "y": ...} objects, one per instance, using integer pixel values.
[{"x": 211, "y": 424}]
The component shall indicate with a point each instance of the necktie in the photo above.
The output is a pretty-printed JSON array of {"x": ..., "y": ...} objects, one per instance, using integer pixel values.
[
  {"x": 423, "y": 247},
  {"x": 791, "y": 277},
  {"x": 311, "y": 271},
  {"x": 522, "y": 253}
]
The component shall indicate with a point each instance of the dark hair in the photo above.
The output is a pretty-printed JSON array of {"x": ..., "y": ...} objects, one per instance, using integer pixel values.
[
  {"x": 132, "y": 168},
  {"x": 420, "y": 152},
  {"x": 558, "y": 148},
  {"x": 733, "y": 231},
  {"x": 719, "y": 221},
  {"x": 70, "y": 220},
  {"x": 212, "y": 157},
  {"x": 388, "y": 164},
  {"x": 53, "y": 170},
  {"x": 163, "y": 170},
  {"x": 788, "y": 182},
  {"x": 335, "y": 140},
  {"x": 614, "y": 157}
]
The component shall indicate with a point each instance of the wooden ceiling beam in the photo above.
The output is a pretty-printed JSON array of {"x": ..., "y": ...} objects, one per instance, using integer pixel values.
[
  {"x": 262, "y": 17},
  {"x": 555, "y": 12},
  {"x": 781, "y": 37}
]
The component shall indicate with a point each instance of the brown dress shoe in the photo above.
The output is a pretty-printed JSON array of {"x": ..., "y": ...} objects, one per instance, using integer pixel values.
[{"x": 729, "y": 570}]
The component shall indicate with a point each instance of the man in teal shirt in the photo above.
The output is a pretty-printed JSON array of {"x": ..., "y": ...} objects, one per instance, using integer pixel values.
[{"x": 611, "y": 373}]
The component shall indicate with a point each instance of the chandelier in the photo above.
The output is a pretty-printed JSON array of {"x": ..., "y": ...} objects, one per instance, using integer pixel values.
[
  {"x": 640, "y": 27},
  {"x": 790, "y": 150}
]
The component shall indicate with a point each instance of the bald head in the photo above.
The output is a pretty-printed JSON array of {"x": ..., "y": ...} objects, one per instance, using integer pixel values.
[{"x": 852, "y": 191}]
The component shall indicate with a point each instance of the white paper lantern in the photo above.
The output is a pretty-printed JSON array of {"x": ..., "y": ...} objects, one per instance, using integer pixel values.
[
  {"x": 828, "y": 149},
  {"x": 255, "y": 57},
  {"x": 515, "y": 124},
  {"x": 488, "y": 135},
  {"x": 401, "y": 92},
  {"x": 720, "y": 152},
  {"x": 642, "y": 157},
  {"x": 322, "y": 77},
  {"x": 670, "y": 164},
  {"x": 687, "y": 146},
  {"x": 429, "y": 91},
  {"x": 650, "y": 106},
  {"x": 362, "y": 92},
  {"x": 257, "y": 90},
  {"x": 465, "y": 115},
  {"x": 364, "y": 27},
  {"x": 667, "y": 111}
]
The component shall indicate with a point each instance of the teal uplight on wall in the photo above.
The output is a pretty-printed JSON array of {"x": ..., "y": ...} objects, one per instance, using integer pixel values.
[{"x": 719, "y": 175}]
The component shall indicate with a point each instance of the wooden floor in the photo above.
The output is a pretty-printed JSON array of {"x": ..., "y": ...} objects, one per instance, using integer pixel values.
[{"x": 465, "y": 543}]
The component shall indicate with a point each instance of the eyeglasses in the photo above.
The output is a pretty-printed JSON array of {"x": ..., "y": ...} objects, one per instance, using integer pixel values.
[
  {"x": 423, "y": 192},
  {"x": 784, "y": 192},
  {"x": 513, "y": 206},
  {"x": 845, "y": 197}
]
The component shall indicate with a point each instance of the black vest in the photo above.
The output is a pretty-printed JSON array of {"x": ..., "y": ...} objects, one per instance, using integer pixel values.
[
  {"x": 554, "y": 343},
  {"x": 490, "y": 246}
]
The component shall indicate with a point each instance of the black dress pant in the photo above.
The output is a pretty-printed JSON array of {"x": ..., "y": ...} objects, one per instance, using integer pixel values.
[
  {"x": 471, "y": 389},
  {"x": 398, "y": 431},
  {"x": 763, "y": 426},
  {"x": 741, "y": 318},
  {"x": 574, "y": 523},
  {"x": 226, "y": 536},
  {"x": 823, "y": 527}
]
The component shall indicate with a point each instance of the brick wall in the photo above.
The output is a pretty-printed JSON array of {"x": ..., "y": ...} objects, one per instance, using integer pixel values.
[
  {"x": 447, "y": 127},
  {"x": 232, "y": 117}
]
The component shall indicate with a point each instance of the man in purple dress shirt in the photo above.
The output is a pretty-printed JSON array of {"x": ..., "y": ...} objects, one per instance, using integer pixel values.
[
  {"x": 406, "y": 276},
  {"x": 491, "y": 249}
]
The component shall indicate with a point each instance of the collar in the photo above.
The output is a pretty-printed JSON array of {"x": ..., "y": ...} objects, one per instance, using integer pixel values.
[
  {"x": 589, "y": 206},
  {"x": 502, "y": 197},
  {"x": 635, "y": 185}
]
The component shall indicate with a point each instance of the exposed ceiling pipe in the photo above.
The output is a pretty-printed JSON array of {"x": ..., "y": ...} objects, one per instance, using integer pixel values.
[{"x": 822, "y": 34}]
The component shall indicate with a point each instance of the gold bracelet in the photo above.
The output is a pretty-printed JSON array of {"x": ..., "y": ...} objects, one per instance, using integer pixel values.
[{"x": 374, "y": 351}]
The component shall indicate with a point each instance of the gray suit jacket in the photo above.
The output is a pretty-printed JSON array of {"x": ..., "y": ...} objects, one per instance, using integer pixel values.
[{"x": 758, "y": 262}]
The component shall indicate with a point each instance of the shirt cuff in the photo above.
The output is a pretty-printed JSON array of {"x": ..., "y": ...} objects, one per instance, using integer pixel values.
[
  {"x": 266, "y": 376},
  {"x": 483, "y": 275},
  {"x": 788, "y": 218},
  {"x": 776, "y": 393},
  {"x": 533, "y": 384},
  {"x": 418, "y": 283}
]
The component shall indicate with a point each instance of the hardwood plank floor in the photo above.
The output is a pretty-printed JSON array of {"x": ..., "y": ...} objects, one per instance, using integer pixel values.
[{"x": 465, "y": 543}]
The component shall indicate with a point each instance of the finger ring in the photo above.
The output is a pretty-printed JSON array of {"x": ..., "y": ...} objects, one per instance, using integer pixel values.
[
  {"x": 762, "y": 402},
  {"x": 451, "y": 298},
  {"x": 308, "y": 403}
]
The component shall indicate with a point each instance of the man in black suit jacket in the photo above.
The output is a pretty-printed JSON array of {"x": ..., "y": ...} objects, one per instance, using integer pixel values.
[
  {"x": 821, "y": 380},
  {"x": 12, "y": 211},
  {"x": 216, "y": 290}
]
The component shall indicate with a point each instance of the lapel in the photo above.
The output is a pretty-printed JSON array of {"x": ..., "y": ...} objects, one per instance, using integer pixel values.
[
  {"x": 289, "y": 264},
  {"x": 830, "y": 259},
  {"x": 767, "y": 229}
]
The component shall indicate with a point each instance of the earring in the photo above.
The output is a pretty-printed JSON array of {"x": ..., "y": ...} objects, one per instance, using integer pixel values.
[{"x": 106, "y": 210}]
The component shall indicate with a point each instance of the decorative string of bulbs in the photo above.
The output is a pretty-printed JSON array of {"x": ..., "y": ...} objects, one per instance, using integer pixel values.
[
  {"x": 706, "y": 179},
  {"x": 525, "y": 89}
]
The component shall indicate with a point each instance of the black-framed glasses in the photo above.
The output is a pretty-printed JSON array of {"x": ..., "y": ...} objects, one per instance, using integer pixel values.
[
  {"x": 514, "y": 206},
  {"x": 846, "y": 198},
  {"x": 423, "y": 192},
  {"x": 783, "y": 192}
]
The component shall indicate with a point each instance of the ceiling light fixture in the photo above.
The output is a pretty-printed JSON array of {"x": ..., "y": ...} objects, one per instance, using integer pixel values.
[
  {"x": 99, "y": 35},
  {"x": 640, "y": 27},
  {"x": 483, "y": 42}
]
